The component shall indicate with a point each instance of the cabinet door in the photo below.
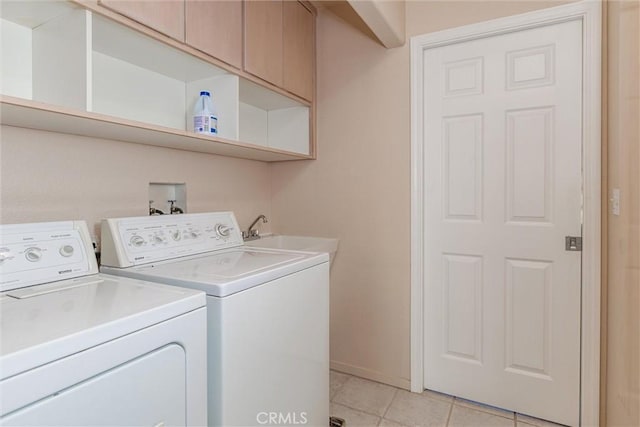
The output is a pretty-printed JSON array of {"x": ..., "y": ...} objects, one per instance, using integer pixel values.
[
  {"x": 165, "y": 16},
  {"x": 215, "y": 27},
  {"x": 299, "y": 49},
  {"x": 263, "y": 40}
]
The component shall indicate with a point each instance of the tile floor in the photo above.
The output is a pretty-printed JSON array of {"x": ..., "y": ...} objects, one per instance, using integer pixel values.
[{"x": 367, "y": 403}]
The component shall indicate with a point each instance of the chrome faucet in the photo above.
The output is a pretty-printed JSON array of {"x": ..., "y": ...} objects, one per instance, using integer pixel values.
[
  {"x": 154, "y": 211},
  {"x": 174, "y": 209},
  {"x": 252, "y": 234}
]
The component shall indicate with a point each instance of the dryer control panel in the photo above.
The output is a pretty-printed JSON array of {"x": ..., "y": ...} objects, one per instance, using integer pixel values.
[
  {"x": 140, "y": 240},
  {"x": 32, "y": 254}
]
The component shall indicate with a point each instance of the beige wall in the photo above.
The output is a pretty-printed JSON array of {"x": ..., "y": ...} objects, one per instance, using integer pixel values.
[
  {"x": 623, "y": 318},
  {"x": 48, "y": 176},
  {"x": 359, "y": 188},
  {"x": 358, "y": 191}
]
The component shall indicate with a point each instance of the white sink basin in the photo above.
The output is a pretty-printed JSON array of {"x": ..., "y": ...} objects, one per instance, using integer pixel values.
[{"x": 297, "y": 243}]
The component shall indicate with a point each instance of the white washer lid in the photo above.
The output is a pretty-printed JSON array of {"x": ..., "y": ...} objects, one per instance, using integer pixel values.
[
  {"x": 46, "y": 322},
  {"x": 222, "y": 273}
]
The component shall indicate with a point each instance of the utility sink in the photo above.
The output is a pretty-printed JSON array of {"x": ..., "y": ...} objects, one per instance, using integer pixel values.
[{"x": 297, "y": 243}]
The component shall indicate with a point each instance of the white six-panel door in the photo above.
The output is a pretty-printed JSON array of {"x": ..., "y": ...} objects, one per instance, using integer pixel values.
[{"x": 502, "y": 188}]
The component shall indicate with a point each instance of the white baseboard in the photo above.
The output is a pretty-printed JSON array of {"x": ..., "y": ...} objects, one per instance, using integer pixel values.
[{"x": 358, "y": 371}]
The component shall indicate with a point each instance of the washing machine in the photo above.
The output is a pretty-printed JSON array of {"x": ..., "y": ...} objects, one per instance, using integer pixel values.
[
  {"x": 79, "y": 348},
  {"x": 268, "y": 312}
]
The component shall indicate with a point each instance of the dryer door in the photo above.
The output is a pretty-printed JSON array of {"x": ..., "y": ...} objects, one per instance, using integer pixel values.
[{"x": 148, "y": 390}]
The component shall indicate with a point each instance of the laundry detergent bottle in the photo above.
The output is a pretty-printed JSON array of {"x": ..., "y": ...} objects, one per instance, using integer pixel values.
[{"x": 205, "y": 116}]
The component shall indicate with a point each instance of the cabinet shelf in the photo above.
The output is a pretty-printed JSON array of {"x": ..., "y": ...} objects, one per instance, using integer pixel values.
[
  {"x": 35, "y": 115},
  {"x": 70, "y": 70}
]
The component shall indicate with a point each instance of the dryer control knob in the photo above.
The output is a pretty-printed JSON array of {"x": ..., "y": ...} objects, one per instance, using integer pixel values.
[
  {"x": 5, "y": 254},
  {"x": 176, "y": 235},
  {"x": 137, "y": 241},
  {"x": 33, "y": 254},
  {"x": 66, "y": 250},
  {"x": 223, "y": 230}
]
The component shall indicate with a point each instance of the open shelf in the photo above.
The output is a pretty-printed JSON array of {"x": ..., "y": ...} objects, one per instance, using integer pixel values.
[
  {"x": 30, "y": 114},
  {"x": 44, "y": 53},
  {"x": 64, "y": 66}
]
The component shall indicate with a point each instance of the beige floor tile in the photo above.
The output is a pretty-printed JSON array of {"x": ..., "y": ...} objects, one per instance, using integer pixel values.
[
  {"x": 336, "y": 381},
  {"x": 364, "y": 395},
  {"x": 414, "y": 409},
  {"x": 462, "y": 416},
  {"x": 353, "y": 417},
  {"x": 484, "y": 408},
  {"x": 535, "y": 421},
  {"x": 437, "y": 395},
  {"x": 388, "y": 423}
]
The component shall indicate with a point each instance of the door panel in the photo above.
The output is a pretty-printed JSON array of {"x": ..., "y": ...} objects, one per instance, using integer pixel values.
[
  {"x": 215, "y": 27},
  {"x": 298, "y": 49},
  {"x": 529, "y": 161},
  {"x": 166, "y": 16},
  {"x": 502, "y": 155},
  {"x": 263, "y": 50},
  {"x": 149, "y": 390}
]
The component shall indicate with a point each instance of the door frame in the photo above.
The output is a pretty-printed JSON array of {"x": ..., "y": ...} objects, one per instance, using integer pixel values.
[{"x": 589, "y": 12}]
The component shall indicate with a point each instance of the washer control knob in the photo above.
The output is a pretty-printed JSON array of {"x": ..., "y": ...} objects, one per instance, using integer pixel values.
[
  {"x": 5, "y": 254},
  {"x": 158, "y": 239},
  {"x": 194, "y": 234},
  {"x": 66, "y": 250},
  {"x": 136, "y": 241},
  {"x": 33, "y": 254},
  {"x": 223, "y": 230},
  {"x": 176, "y": 235}
]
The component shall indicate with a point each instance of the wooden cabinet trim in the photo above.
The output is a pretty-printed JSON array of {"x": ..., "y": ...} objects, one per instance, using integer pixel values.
[
  {"x": 17, "y": 112},
  {"x": 310, "y": 7}
]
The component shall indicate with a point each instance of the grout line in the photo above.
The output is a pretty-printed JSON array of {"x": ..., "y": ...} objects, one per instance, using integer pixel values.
[
  {"x": 450, "y": 412},
  {"x": 341, "y": 387},
  {"x": 395, "y": 393},
  {"x": 361, "y": 410},
  {"x": 455, "y": 401},
  {"x": 358, "y": 410},
  {"x": 338, "y": 389}
]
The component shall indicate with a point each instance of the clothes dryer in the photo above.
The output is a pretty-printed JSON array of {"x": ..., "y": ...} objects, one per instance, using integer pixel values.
[{"x": 80, "y": 348}]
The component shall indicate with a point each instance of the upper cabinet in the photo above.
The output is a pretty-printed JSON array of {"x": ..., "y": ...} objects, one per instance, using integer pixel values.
[
  {"x": 299, "y": 49},
  {"x": 215, "y": 28},
  {"x": 80, "y": 68},
  {"x": 263, "y": 39},
  {"x": 279, "y": 44},
  {"x": 165, "y": 16}
]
